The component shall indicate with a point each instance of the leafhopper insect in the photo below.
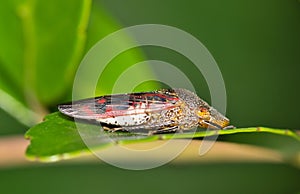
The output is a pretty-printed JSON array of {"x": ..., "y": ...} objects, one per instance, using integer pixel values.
[{"x": 160, "y": 111}]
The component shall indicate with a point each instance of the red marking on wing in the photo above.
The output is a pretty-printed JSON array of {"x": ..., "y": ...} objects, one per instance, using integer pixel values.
[
  {"x": 88, "y": 111},
  {"x": 101, "y": 101},
  {"x": 139, "y": 104},
  {"x": 120, "y": 104}
]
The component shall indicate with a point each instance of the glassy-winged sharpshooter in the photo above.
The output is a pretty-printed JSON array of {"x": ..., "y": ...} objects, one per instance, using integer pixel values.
[{"x": 160, "y": 111}]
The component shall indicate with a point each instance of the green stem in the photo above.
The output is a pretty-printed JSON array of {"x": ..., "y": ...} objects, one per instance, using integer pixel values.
[
  {"x": 17, "y": 110},
  {"x": 81, "y": 38},
  {"x": 26, "y": 11}
]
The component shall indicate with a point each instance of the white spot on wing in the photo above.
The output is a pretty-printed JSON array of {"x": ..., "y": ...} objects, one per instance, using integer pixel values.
[{"x": 126, "y": 120}]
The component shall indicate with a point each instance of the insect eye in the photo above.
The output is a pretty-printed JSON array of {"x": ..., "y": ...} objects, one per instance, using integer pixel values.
[
  {"x": 203, "y": 109},
  {"x": 203, "y": 113}
]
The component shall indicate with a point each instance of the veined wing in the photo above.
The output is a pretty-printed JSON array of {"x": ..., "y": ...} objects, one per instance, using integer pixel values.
[{"x": 111, "y": 108}]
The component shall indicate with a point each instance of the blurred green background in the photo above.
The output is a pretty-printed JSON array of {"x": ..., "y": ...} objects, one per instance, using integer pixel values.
[{"x": 255, "y": 43}]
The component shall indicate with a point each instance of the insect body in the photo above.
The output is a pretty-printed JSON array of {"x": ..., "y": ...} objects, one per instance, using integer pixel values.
[{"x": 165, "y": 110}]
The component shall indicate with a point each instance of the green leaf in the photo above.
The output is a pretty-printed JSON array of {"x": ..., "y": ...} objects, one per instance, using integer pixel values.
[
  {"x": 41, "y": 46},
  {"x": 101, "y": 25},
  {"x": 67, "y": 28},
  {"x": 54, "y": 37},
  {"x": 11, "y": 49},
  {"x": 42, "y": 43},
  {"x": 57, "y": 138}
]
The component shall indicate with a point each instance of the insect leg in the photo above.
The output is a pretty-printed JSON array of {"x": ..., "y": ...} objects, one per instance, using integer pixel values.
[
  {"x": 229, "y": 127},
  {"x": 166, "y": 129},
  {"x": 112, "y": 129}
]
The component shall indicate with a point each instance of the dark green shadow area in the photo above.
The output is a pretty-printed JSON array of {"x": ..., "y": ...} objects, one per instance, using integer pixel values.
[
  {"x": 180, "y": 178},
  {"x": 9, "y": 125}
]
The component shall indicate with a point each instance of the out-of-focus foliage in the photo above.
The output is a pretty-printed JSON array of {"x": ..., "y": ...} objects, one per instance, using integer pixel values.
[{"x": 42, "y": 44}]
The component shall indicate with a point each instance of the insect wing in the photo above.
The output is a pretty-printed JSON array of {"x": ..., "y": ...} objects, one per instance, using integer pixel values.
[{"x": 110, "y": 108}]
